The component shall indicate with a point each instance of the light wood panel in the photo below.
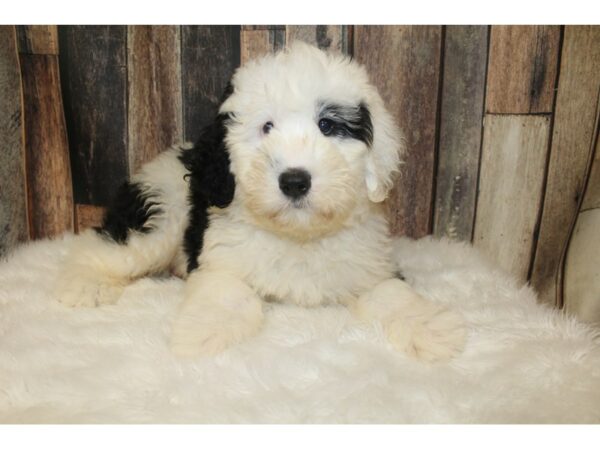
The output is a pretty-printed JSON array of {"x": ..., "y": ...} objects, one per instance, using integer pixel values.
[
  {"x": 326, "y": 37},
  {"x": 572, "y": 143},
  {"x": 155, "y": 108},
  {"x": 511, "y": 180}
]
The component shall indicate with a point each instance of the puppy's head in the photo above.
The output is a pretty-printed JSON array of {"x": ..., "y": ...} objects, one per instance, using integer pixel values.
[{"x": 309, "y": 141}]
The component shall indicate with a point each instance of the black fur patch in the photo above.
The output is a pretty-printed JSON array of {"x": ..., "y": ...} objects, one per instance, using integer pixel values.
[
  {"x": 130, "y": 210},
  {"x": 211, "y": 184},
  {"x": 348, "y": 121}
]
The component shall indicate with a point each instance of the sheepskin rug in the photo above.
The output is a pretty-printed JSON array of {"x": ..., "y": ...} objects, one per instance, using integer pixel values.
[{"x": 523, "y": 362}]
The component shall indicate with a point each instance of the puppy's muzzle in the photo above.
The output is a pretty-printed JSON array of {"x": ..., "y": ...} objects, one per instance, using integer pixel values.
[{"x": 295, "y": 183}]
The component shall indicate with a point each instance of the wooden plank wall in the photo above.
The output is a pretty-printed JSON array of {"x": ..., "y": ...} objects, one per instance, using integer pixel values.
[
  {"x": 499, "y": 120},
  {"x": 14, "y": 227}
]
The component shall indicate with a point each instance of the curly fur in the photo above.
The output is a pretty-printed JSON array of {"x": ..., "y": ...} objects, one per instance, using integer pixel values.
[{"x": 226, "y": 220}]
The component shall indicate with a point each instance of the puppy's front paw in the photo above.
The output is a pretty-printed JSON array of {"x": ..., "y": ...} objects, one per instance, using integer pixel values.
[
  {"x": 426, "y": 332},
  {"x": 83, "y": 290},
  {"x": 212, "y": 329}
]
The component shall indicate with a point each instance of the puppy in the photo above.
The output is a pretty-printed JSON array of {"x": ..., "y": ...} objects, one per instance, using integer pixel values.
[{"x": 279, "y": 200}]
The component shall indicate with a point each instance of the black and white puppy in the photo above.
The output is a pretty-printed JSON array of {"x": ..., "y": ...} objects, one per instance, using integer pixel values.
[{"x": 280, "y": 199}]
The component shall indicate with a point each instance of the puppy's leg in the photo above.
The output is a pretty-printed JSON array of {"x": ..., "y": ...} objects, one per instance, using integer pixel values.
[
  {"x": 218, "y": 310},
  {"x": 413, "y": 325}
]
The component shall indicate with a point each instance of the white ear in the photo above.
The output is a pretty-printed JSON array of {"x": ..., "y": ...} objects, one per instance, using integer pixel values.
[{"x": 385, "y": 154}]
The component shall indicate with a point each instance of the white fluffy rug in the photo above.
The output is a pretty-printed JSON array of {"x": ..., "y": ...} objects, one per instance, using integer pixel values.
[{"x": 522, "y": 363}]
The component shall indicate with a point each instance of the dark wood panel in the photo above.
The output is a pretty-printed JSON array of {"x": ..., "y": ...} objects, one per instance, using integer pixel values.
[
  {"x": 572, "y": 144},
  {"x": 38, "y": 39},
  {"x": 522, "y": 69},
  {"x": 154, "y": 91},
  {"x": 209, "y": 55},
  {"x": 461, "y": 121},
  {"x": 50, "y": 195},
  {"x": 13, "y": 196},
  {"x": 404, "y": 63},
  {"x": 94, "y": 80}
]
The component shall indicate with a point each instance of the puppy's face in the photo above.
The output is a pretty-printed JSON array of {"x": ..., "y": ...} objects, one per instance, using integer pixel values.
[{"x": 309, "y": 141}]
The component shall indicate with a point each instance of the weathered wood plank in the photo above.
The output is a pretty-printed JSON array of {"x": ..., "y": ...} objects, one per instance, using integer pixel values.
[
  {"x": 209, "y": 55},
  {"x": 511, "y": 181},
  {"x": 155, "y": 109},
  {"x": 259, "y": 42},
  {"x": 88, "y": 216},
  {"x": 38, "y": 39},
  {"x": 572, "y": 142},
  {"x": 50, "y": 194},
  {"x": 461, "y": 122},
  {"x": 582, "y": 269},
  {"x": 522, "y": 69},
  {"x": 326, "y": 37},
  {"x": 94, "y": 80},
  {"x": 14, "y": 227},
  {"x": 591, "y": 199},
  {"x": 406, "y": 72}
]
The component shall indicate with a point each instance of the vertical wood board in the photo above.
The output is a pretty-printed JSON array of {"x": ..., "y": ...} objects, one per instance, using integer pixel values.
[
  {"x": 522, "y": 69},
  {"x": 209, "y": 55},
  {"x": 13, "y": 195},
  {"x": 511, "y": 180},
  {"x": 155, "y": 108},
  {"x": 461, "y": 122},
  {"x": 50, "y": 194},
  {"x": 93, "y": 62},
  {"x": 326, "y": 37},
  {"x": 572, "y": 142},
  {"x": 38, "y": 39},
  {"x": 406, "y": 70}
]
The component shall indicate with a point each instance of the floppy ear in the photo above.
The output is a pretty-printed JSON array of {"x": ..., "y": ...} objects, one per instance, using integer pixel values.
[
  {"x": 385, "y": 154},
  {"x": 207, "y": 163}
]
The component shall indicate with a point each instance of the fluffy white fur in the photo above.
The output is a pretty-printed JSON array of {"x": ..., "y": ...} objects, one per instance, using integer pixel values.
[
  {"x": 330, "y": 247},
  {"x": 522, "y": 362}
]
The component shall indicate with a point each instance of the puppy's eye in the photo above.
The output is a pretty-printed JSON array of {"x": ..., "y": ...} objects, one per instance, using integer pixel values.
[
  {"x": 266, "y": 129},
  {"x": 326, "y": 126}
]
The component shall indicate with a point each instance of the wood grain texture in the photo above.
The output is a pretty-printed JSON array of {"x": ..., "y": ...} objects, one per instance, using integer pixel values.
[
  {"x": 258, "y": 42},
  {"x": 209, "y": 55},
  {"x": 326, "y": 37},
  {"x": 14, "y": 227},
  {"x": 572, "y": 143},
  {"x": 522, "y": 69},
  {"x": 582, "y": 269},
  {"x": 461, "y": 121},
  {"x": 88, "y": 216},
  {"x": 511, "y": 181},
  {"x": 591, "y": 199},
  {"x": 38, "y": 39},
  {"x": 94, "y": 80},
  {"x": 50, "y": 194},
  {"x": 406, "y": 71},
  {"x": 155, "y": 111}
]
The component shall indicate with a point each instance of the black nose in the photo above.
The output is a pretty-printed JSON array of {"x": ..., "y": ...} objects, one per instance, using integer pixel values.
[{"x": 294, "y": 183}]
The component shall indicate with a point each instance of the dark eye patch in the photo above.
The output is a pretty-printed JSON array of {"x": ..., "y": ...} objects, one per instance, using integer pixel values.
[{"x": 346, "y": 121}]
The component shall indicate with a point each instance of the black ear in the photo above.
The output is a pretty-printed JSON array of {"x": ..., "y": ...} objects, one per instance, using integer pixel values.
[{"x": 207, "y": 164}]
